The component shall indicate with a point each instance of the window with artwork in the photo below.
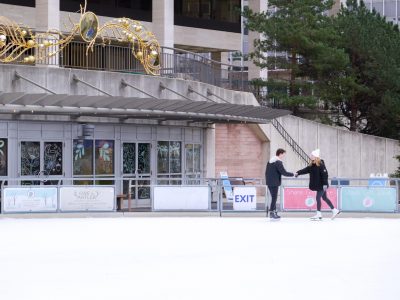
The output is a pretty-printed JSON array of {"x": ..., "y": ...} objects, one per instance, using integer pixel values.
[
  {"x": 30, "y": 158},
  {"x": 104, "y": 157},
  {"x": 3, "y": 157},
  {"x": 129, "y": 158},
  {"x": 53, "y": 158},
  {"x": 169, "y": 162},
  {"x": 83, "y": 157},
  {"x": 169, "y": 157}
]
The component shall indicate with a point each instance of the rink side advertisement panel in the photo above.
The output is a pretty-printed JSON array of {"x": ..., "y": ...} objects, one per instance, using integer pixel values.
[
  {"x": 29, "y": 199},
  {"x": 181, "y": 198},
  {"x": 368, "y": 199},
  {"x": 303, "y": 199},
  {"x": 87, "y": 198}
]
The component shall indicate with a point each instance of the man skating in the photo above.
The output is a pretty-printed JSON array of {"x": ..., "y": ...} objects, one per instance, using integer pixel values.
[{"x": 273, "y": 175}]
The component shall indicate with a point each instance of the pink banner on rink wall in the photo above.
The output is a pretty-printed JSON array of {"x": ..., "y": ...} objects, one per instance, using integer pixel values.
[{"x": 304, "y": 199}]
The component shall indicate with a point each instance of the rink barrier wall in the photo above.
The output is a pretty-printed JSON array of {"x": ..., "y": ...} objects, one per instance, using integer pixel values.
[
  {"x": 353, "y": 195},
  {"x": 195, "y": 194}
]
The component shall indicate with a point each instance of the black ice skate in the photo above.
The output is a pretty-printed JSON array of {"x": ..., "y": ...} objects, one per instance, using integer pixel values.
[{"x": 274, "y": 215}]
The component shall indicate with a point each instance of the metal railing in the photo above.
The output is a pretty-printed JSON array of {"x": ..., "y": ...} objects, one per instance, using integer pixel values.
[
  {"x": 179, "y": 63},
  {"x": 176, "y": 63}
]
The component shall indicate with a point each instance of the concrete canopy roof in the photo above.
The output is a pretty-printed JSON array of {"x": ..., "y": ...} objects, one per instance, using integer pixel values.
[{"x": 123, "y": 107}]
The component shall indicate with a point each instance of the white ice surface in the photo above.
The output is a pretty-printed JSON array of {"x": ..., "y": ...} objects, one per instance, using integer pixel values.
[{"x": 199, "y": 258}]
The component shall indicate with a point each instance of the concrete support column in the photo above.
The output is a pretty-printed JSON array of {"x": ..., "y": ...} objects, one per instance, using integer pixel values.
[
  {"x": 163, "y": 22},
  {"x": 47, "y": 15},
  {"x": 209, "y": 152},
  {"x": 216, "y": 56},
  {"x": 254, "y": 71},
  {"x": 48, "y": 18}
]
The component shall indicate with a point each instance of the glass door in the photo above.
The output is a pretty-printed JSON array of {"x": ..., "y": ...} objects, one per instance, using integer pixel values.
[
  {"x": 169, "y": 163},
  {"x": 192, "y": 163},
  {"x": 43, "y": 160},
  {"x": 136, "y": 162}
]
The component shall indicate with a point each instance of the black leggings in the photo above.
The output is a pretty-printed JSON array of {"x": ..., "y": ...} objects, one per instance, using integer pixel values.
[
  {"x": 322, "y": 194},
  {"x": 274, "y": 196}
]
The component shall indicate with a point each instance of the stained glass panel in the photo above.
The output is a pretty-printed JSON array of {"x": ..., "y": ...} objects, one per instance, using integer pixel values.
[
  {"x": 162, "y": 157},
  {"x": 196, "y": 158},
  {"x": 30, "y": 158},
  {"x": 3, "y": 157},
  {"x": 175, "y": 157},
  {"x": 83, "y": 157},
  {"x": 53, "y": 159},
  {"x": 189, "y": 158},
  {"x": 104, "y": 157},
  {"x": 144, "y": 158},
  {"x": 129, "y": 158}
]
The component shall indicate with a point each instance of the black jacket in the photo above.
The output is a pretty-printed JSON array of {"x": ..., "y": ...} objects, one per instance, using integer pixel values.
[
  {"x": 318, "y": 176},
  {"x": 274, "y": 172}
]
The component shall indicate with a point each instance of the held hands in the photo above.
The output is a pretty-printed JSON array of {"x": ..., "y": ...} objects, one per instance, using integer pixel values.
[
  {"x": 295, "y": 175},
  {"x": 325, "y": 187}
]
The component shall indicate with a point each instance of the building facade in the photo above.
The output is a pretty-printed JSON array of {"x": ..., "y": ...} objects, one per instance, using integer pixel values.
[{"x": 90, "y": 124}]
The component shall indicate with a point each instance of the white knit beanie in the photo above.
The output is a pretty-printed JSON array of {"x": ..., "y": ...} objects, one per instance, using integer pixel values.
[{"x": 315, "y": 153}]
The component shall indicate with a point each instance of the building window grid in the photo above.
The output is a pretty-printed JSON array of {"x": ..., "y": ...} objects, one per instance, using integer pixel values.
[{"x": 383, "y": 8}]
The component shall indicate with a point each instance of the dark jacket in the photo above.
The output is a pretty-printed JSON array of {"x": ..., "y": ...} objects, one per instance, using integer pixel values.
[
  {"x": 274, "y": 172},
  {"x": 318, "y": 176}
]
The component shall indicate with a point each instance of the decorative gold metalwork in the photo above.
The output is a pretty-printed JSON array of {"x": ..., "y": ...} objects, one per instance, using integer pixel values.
[{"x": 17, "y": 42}]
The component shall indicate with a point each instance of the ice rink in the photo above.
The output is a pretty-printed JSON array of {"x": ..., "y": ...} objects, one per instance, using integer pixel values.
[{"x": 199, "y": 258}]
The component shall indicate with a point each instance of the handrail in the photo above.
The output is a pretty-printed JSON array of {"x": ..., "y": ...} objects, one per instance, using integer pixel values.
[
  {"x": 292, "y": 143},
  {"x": 202, "y": 57},
  {"x": 174, "y": 63},
  {"x": 169, "y": 48}
]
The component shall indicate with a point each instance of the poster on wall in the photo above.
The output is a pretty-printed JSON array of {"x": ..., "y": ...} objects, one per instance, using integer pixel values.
[
  {"x": 87, "y": 198},
  {"x": 29, "y": 199},
  {"x": 371, "y": 199},
  {"x": 301, "y": 198}
]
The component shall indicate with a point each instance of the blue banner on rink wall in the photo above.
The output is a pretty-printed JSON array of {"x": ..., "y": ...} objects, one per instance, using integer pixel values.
[{"x": 372, "y": 199}]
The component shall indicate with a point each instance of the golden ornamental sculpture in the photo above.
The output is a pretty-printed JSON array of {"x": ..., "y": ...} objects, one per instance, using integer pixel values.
[{"x": 21, "y": 44}]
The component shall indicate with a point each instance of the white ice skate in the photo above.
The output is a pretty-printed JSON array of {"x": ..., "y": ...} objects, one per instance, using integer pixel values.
[
  {"x": 335, "y": 212},
  {"x": 317, "y": 217}
]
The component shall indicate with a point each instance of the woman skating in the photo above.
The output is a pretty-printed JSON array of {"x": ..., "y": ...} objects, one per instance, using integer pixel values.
[{"x": 318, "y": 182}]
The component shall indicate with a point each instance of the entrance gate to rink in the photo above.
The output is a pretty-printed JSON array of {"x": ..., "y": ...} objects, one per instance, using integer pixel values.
[{"x": 233, "y": 194}]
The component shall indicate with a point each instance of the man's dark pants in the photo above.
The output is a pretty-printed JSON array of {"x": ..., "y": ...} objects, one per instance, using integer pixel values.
[{"x": 274, "y": 196}]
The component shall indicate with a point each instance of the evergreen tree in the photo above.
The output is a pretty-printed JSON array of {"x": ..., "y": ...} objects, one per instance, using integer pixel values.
[
  {"x": 367, "y": 90},
  {"x": 397, "y": 173},
  {"x": 300, "y": 33},
  {"x": 352, "y": 61}
]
